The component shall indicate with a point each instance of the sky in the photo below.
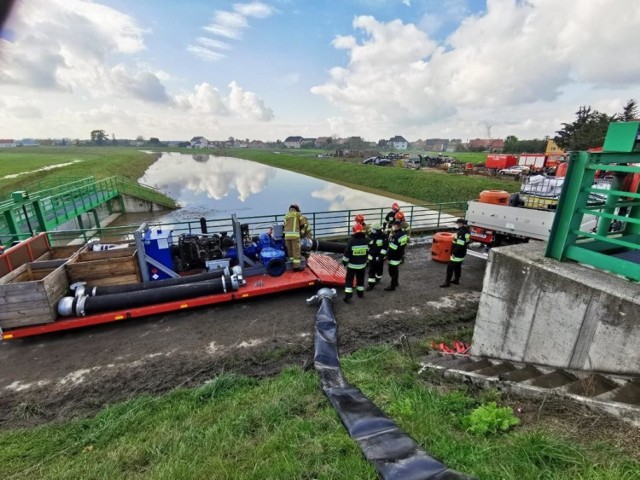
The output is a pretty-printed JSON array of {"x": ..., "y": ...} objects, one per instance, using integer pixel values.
[{"x": 269, "y": 69}]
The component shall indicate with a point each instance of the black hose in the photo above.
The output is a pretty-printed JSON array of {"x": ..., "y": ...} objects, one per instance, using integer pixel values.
[
  {"x": 332, "y": 247},
  {"x": 169, "y": 282},
  {"x": 90, "y": 305},
  {"x": 393, "y": 453}
]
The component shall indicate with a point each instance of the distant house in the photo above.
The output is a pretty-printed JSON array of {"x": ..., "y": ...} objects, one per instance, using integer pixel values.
[
  {"x": 257, "y": 144},
  {"x": 322, "y": 142},
  {"x": 7, "y": 143},
  {"x": 487, "y": 144},
  {"x": 293, "y": 142},
  {"x": 199, "y": 142},
  {"x": 27, "y": 142},
  {"x": 398, "y": 143}
]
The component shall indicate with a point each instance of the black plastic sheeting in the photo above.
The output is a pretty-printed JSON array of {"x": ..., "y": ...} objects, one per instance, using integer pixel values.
[{"x": 393, "y": 453}]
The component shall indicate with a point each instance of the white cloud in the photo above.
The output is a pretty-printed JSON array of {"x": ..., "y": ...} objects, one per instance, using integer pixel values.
[
  {"x": 205, "y": 99},
  {"x": 254, "y": 9},
  {"x": 142, "y": 85},
  {"x": 517, "y": 53},
  {"x": 26, "y": 111},
  {"x": 247, "y": 104},
  {"x": 229, "y": 25},
  {"x": 239, "y": 103}
]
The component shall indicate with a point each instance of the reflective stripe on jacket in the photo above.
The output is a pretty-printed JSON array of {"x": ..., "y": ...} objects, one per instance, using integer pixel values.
[
  {"x": 356, "y": 252},
  {"x": 459, "y": 244},
  {"x": 292, "y": 225},
  {"x": 397, "y": 241}
]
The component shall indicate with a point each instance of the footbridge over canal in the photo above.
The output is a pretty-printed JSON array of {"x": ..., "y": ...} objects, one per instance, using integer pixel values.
[{"x": 74, "y": 203}]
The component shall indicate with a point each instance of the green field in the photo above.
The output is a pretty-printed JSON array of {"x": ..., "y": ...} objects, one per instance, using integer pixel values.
[
  {"x": 423, "y": 186},
  {"x": 100, "y": 162},
  {"x": 284, "y": 428},
  {"x": 417, "y": 186}
]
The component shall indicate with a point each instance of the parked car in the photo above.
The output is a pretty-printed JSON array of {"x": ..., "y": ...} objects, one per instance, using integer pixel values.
[
  {"x": 515, "y": 171},
  {"x": 380, "y": 161}
]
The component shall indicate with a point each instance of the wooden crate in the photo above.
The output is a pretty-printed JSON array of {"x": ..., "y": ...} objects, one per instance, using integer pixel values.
[
  {"x": 108, "y": 267},
  {"x": 29, "y": 295}
]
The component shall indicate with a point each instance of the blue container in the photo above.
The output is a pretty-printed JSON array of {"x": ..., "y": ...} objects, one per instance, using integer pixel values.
[{"x": 157, "y": 245}]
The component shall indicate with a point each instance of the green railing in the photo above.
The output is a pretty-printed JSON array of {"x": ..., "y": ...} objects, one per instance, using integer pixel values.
[
  {"x": 50, "y": 207},
  {"x": 145, "y": 192},
  {"x": 614, "y": 245},
  {"x": 325, "y": 225}
]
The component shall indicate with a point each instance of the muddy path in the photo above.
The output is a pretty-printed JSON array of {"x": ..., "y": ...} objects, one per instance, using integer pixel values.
[{"x": 63, "y": 375}]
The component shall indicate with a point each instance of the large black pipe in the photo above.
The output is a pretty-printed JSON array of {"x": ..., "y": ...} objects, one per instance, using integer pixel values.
[
  {"x": 331, "y": 247},
  {"x": 393, "y": 453},
  {"x": 90, "y": 305},
  {"x": 94, "y": 291}
]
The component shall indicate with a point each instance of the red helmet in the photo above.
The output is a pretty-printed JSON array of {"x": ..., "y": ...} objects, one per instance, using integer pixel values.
[
  {"x": 357, "y": 228},
  {"x": 359, "y": 218},
  {"x": 395, "y": 206},
  {"x": 399, "y": 216}
]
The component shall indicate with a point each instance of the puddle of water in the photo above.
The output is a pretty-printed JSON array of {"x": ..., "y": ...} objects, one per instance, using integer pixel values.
[{"x": 43, "y": 169}]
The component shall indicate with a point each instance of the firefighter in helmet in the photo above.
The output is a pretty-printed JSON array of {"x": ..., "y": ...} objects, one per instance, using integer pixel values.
[
  {"x": 397, "y": 243},
  {"x": 458, "y": 252},
  {"x": 359, "y": 218},
  {"x": 296, "y": 226},
  {"x": 355, "y": 259},
  {"x": 388, "y": 219},
  {"x": 378, "y": 244}
]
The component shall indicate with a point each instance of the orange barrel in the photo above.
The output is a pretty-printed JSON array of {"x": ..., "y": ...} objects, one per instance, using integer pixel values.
[
  {"x": 561, "y": 169},
  {"x": 495, "y": 197},
  {"x": 441, "y": 246}
]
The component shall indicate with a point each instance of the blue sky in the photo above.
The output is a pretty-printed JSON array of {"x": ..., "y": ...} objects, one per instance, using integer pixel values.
[{"x": 268, "y": 69}]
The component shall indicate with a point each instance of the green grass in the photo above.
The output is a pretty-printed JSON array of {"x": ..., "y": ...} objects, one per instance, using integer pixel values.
[
  {"x": 236, "y": 427},
  {"x": 410, "y": 185},
  {"x": 100, "y": 162}
]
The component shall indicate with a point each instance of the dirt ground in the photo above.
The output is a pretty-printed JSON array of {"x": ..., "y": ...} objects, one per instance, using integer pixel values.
[{"x": 63, "y": 375}]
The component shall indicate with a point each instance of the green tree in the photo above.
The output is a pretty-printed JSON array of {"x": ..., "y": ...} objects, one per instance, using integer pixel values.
[
  {"x": 154, "y": 141},
  {"x": 98, "y": 137},
  {"x": 587, "y": 131},
  {"x": 630, "y": 111}
]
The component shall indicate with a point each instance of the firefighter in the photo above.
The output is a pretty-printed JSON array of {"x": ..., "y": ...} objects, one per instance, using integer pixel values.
[
  {"x": 355, "y": 259},
  {"x": 397, "y": 243},
  {"x": 378, "y": 243},
  {"x": 458, "y": 252},
  {"x": 359, "y": 218},
  {"x": 388, "y": 220},
  {"x": 296, "y": 226}
]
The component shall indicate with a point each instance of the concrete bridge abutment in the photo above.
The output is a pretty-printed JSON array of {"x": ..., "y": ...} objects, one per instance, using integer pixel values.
[{"x": 562, "y": 314}]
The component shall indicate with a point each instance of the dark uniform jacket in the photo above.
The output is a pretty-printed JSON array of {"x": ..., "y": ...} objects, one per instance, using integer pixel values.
[
  {"x": 460, "y": 242},
  {"x": 397, "y": 241},
  {"x": 378, "y": 245},
  {"x": 357, "y": 251},
  {"x": 389, "y": 218}
]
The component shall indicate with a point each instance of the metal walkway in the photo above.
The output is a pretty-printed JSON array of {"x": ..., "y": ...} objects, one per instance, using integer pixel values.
[{"x": 45, "y": 207}]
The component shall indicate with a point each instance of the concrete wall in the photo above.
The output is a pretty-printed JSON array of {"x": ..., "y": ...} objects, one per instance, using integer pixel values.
[
  {"x": 136, "y": 205},
  {"x": 535, "y": 309}
]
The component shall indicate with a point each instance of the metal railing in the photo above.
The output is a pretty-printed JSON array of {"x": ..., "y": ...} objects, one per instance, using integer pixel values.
[
  {"x": 52, "y": 206},
  {"x": 614, "y": 245},
  {"x": 325, "y": 225}
]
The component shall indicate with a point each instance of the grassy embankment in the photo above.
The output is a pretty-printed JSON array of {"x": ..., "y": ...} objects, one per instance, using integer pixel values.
[
  {"x": 422, "y": 186},
  {"x": 407, "y": 185},
  {"x": 99, "y": 162},
  {"x": 281, "y": 428}
]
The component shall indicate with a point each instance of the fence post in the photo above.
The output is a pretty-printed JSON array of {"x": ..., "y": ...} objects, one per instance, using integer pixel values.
[{"x": 439, "y": 215}]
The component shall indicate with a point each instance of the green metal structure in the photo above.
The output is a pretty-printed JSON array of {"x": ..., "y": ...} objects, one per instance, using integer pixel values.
[
  {"x": 43, "y": 208},
  {"x": 615, "y": 244}
]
